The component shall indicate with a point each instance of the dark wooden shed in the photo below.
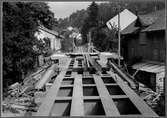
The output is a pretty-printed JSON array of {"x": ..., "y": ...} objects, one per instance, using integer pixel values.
[{"x": 144, "y": 39}]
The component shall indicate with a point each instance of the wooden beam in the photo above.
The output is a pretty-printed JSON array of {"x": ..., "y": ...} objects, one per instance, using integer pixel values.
[
  {"x": 113, "y": 84},
  {"x": 124, "y": 76},
  {"x": 144, "y": 109},
  {"x": 108, "y": 104},
  {"x": 63, "y": 98},
  {"x": 66, "y": 86},
  {"x": 91, "y": 97},
  {"x": 94, "y": 64},
  {"x": 118, "y": 96},
  {"x": 88, "y": 85},
  {"x": 75, "y": 64},
  {"x": 46, "y": 77},
  {"x": 47, "y": 104},
  {"x": 77, "y": 107}
]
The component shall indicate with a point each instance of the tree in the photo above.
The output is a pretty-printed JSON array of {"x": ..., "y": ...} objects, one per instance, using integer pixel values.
[
  {"x": 20, "y": 22},
  {"x": 104, "y": 39},
  {"x": 90, "y": 21},
  {"x": 93, "y": 15},
  {"x": 67, "y": 42}
]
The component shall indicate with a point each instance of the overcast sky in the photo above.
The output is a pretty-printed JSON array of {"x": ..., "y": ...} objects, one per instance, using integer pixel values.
[{"x": 65, "y": 9}]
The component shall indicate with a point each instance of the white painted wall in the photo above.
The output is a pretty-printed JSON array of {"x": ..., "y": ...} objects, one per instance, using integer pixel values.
[{"x": 54, "y": 41}]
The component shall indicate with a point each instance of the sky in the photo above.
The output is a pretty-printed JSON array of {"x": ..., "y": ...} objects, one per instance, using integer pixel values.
[{"x": 65, "y": 9}]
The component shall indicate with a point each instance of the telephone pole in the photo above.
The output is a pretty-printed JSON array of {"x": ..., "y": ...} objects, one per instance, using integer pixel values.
[{"x": 119, "y": 38}]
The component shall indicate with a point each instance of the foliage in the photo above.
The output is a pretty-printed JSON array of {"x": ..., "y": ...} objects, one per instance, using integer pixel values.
[
  {"x": 104, "y": 39},
  {"x": 63, "y": 23},
  {"x": 20, "y": 22},
  {"x": 67, "y": 42},
  {"x": 107, "y": 10},
  {"x": 90, "y": 21},
  {"x": 76, "y": 18}
]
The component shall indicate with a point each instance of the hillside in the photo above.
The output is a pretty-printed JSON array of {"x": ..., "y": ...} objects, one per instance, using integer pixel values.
[{"x": 108, "y": 10}]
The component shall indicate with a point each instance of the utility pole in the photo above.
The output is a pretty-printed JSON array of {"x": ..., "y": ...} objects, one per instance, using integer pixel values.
[{"x": 119, "y": 38}]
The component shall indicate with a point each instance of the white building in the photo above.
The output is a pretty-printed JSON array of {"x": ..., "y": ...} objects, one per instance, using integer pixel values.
[{"x": 55, "y": 38}]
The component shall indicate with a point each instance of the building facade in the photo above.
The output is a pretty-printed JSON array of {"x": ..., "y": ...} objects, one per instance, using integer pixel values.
[
  {"x": 53, "y": 36},
  {"x": 143, "y": 48},
  {"x": 145, "y": 41}
]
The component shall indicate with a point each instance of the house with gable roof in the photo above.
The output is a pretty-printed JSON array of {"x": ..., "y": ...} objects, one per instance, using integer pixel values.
[
  {"x": 54, "y": 37},
  {"x": 143, "y": 48}
]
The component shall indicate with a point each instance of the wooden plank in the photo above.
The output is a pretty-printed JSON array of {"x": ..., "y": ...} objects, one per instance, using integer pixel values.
[
  {"x": 108, "y": 104},
  {"x": 144, "y": 109},
  {"x": 68, "y": 77},
  {"x": 86, "y": 62},
  {"x": 46, "y": 106},
  {"x": 75, "y": 64},
  {"x": 129, "y": 80},
  {"x": 80, "y": 54},
  {"x": 91, "y": 97},
  {"x": 46, "y": 77},
  {"x": 113, "y": 84},
  {"x": 82, "y": 58},
  {"x": 86, "y": 74},
  {"x": 77, "y": 107},
  {"x": 66, "y": 86},
  {"x": 95, "y": 64},
  {"x": 63, "y": 98},
  {"x": 87, "y": 85},
  {"x": 118, "y": 96}
]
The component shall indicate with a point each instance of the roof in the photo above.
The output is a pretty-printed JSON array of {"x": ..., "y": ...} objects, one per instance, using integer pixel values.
[
  {"x": 153, "y": 22},
  {"x": 149, "y": 67},
  {"x": 130, "y": 29},
  {"x": 159, "y": 24},
  {"x": 50, "y": 31},
  {"x": 126, "y": 18},
  {"x": 147, "y": 19}
]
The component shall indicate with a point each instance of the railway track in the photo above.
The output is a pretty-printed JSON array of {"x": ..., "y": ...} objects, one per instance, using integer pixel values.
[{"x": 77, "y": 91}]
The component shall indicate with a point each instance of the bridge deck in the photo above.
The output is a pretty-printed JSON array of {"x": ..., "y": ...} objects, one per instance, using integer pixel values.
[{"x": 86, "y": 93}]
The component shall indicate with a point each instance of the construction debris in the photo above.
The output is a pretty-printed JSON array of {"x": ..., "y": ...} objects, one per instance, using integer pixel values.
[
  {"x": 153, "y": 99},
  {"x": 21, "y": 96}
]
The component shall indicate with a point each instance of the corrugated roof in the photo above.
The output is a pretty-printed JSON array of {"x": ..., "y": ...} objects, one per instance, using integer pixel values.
[{"x": 149, "y": 67}]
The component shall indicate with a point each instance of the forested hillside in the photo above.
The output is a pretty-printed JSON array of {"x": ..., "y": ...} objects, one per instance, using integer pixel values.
[
  {"x": 108, "y": 10},
  {"x": 83, "y": 20}
]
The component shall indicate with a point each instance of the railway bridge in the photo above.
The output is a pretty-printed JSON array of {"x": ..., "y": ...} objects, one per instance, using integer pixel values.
[{"x": 89, "y": 84}]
